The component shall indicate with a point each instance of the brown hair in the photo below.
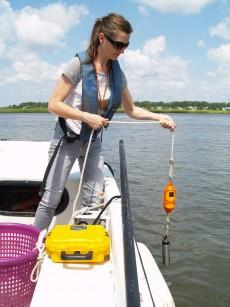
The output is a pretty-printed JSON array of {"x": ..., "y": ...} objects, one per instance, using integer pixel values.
[{"x": 108, "y": 25}]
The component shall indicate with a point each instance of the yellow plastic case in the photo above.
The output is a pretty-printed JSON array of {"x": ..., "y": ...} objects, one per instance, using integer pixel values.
[{"x": 78, "y": 243}]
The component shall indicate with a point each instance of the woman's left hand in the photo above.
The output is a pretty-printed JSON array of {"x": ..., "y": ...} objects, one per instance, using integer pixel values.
[{"x": 167, "y": 122}]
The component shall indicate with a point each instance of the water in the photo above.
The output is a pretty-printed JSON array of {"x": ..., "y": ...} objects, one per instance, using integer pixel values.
[{"x": 200, "y": 231}]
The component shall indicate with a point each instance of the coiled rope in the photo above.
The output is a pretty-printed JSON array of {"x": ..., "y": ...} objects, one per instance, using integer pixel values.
[{"x": 40, "y": 245}]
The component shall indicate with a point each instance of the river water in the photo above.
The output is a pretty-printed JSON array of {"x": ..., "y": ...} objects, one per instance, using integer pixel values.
[{"x": 199, "y": 233}]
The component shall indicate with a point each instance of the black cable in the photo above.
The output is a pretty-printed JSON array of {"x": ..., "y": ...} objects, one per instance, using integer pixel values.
[
  {"x": 47, "y": 171},
  {"x": 143, "y": 268},
  {"x": 109, "y": 167},
  {"x": 103, "y": 209}
]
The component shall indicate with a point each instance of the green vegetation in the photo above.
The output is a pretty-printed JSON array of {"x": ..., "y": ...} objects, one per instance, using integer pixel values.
[
  {"x": 161, "y": 107},
  {"x": 26, "y": 107},
  {"x": 186, "y": 107}
]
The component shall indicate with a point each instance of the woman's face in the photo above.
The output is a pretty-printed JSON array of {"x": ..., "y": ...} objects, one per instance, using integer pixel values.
[{"x": 113, "y": 45}]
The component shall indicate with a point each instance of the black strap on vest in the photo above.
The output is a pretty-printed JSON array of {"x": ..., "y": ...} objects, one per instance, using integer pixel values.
[{"x": 69, "y": 136}]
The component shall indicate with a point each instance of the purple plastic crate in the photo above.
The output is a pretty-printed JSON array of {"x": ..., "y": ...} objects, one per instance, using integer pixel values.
[{"x": 18, "y": 257}]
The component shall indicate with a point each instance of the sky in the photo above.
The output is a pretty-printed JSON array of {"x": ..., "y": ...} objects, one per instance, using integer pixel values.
[{"x": 179, "y": 49}]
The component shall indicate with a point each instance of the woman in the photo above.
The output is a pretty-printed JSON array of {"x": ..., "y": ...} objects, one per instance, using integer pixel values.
[{"x": 88, "y": 93}]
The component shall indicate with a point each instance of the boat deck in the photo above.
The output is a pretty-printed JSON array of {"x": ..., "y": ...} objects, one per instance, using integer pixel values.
[{"x": 90, "y": 283}]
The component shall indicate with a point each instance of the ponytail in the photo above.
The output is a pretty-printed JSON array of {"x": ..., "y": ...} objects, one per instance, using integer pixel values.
[
  {"x": 107, "y": 25},
  {"x": 94, "y": 41}
]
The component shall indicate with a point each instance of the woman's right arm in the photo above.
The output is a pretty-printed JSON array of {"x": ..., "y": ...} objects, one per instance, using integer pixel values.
[{"x": 58, "y": 106}]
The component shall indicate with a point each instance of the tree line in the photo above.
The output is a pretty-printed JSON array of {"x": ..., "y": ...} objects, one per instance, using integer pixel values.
[
  {"x": 151, "y": 105},
  {"x": 29, "y": 105},
  {"x": 186, "y": 105}
]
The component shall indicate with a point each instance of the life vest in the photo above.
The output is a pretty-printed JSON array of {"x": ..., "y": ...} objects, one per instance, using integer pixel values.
[{"x": 90, "y": 92}]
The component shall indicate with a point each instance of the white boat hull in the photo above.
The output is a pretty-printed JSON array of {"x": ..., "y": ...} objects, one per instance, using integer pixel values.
[{"x": 82, "y": 284}]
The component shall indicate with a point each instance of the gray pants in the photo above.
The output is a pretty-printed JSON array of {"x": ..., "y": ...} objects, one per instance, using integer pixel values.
[{"x": 67, "y": 154}]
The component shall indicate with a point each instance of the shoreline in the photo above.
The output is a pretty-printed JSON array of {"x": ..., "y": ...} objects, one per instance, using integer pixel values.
[{"x": 35, "y": 110}]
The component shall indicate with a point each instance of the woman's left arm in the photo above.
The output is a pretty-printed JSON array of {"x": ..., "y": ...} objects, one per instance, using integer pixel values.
[{"x": 139, "y": 113}]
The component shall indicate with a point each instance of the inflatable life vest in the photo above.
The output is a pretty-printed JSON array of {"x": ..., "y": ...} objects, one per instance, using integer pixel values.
[{"x": 90, "y": 92}]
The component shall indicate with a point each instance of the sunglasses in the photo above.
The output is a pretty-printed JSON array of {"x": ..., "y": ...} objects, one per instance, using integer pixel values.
[{"x": 117, "y": 44}]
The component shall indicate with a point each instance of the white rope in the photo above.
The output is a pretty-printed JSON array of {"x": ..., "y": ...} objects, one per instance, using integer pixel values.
[
  {"x": 172, "y": 146},
  {"x": 40, "y": 245},
  {"x": 167, "y": 225},
  {"x": 171, "y": 161},
  {"x": 171, "y": 164},
  {"x": 81, "y": 179},
  {"x": 37, "y": 268},
  {"x": 86, "y": 209},
  {"x": 133, "y": 122}
]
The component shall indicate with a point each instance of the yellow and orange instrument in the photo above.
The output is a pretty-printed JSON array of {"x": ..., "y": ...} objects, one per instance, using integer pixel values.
[{"x": 169, "y": 199}]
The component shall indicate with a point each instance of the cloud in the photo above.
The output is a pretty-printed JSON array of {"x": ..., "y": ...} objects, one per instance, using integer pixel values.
[
  {"x": 30, "y": 70},
  {"x": 38, "y": 27},
  {"x": 201, "y": 44},
  {"x": 216, "y": 83},
  {"x": 47, "y": 26},
  {"x": 22, "y": 34},
  {"x": 155, "y": 46},
  {"x": 2, "y": 48},
  {"x": 176, "y": 6},
  {"x": 144, "y": 10},
  {"x": 214, "y": 86},
  {"x": 27, "y": 78},
  {"x": 222, "y": 29},
  {"x": 6, "y": 21},
  {"x": 220, "y": 54},
  {"x": 152, "y": 74}
]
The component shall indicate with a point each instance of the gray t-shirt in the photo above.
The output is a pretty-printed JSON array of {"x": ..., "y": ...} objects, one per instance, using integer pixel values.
[{"x": 73, "y": 72}]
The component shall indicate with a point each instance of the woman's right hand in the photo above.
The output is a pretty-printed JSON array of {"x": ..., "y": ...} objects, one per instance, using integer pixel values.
[
  {"x": 167, "y": 122},
  {"x": 94, "y": 121}
]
